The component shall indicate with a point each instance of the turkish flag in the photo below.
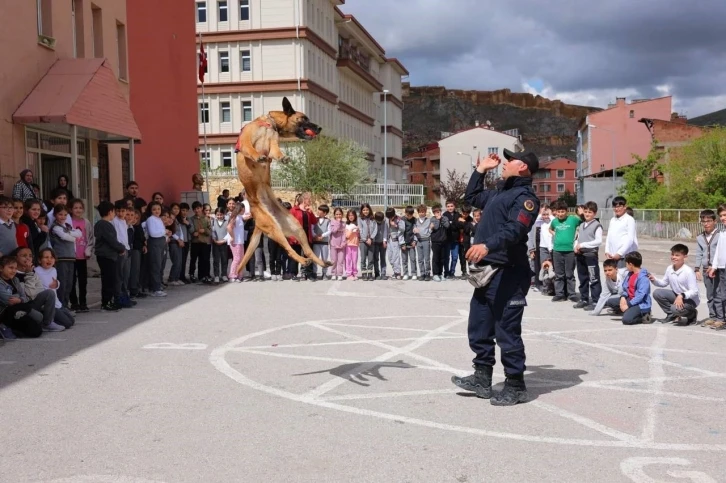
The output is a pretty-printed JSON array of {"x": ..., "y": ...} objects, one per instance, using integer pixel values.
[{"x": 202, "y": 62}]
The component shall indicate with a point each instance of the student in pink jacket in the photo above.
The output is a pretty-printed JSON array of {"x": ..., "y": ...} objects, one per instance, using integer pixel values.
[{"x": 337, "y": 244}]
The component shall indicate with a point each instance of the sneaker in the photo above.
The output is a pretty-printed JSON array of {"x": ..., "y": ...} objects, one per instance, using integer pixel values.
[
  {"x": 267, "y": 275},
  {"x": 83, "y": 309},
  {"x": 480, "y": 382},
  {"x": 405, "y": 277},
  {"x": 216, "y": 280},
  {"x": 352, "y": 278},
  {"x": 184, "y": 280},
  {"x": 192, "y": 279},
  {"x": 53, "y": 327},
  {"x": 580, "y": 305},
  {"x": 437, "y": 278},
  {"x": 574, "y": 298},
  {"x": 535, "y": 289},
  {"x": 287, "y": 276},
  {"x": 232, "y": 280},
  {"x": 647, "y": 319},
  {"x": 75, "y": 307},
  {"x": 589, "y": 308},
  {"x": 428, "y": 278},
  {"x": 558, "y": 298},
  {"x": 140, "y": 295},
  {"x": 422, "y": 279},
  {"x": 159, "y": 293},
  {"x": 6, "y": 333},
  {"x": 514, "y": 392},
  {"x": 110, "y": 307},
  {"x": 413, "y": 277},
  {"x": 225, "y": 279},
  {"x": 328, "y": 277}
]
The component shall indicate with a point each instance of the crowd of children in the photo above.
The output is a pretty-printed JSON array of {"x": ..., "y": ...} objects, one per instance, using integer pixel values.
[{"x": 46, "y": 246}]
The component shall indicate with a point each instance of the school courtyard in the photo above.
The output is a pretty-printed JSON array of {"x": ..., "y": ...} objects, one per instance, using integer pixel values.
[{"x": 350, "y": 382}]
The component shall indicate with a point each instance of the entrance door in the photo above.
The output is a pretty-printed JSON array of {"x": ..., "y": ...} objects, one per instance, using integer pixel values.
[
  {"x": 52, "y": 166},
  {"x": 104, "y": 183}
]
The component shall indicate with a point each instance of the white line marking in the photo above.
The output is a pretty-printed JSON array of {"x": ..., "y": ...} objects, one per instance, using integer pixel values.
[
  {"x": 377, "y": 395},
  {"x": 40, "y": 339},
  {"x": 405, "y": 329},
  {"x": 333, "y": 291},
  {"x": 655, "y": 369},
  {"x": 679, "y": 395},
  {"x": 342, "y": 342},
  {"x": 634, "y": 468},
  {"x": 589, "y": 423},
  {"x": 194, "y": 346}
]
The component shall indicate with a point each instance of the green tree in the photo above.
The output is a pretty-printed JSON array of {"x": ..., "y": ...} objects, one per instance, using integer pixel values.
[
  {"x": 695, "y": 174},
  {"x": 324, "y": 165},
  {"x": 641, "y": 187},
  {"x": 569, "y": 198}
]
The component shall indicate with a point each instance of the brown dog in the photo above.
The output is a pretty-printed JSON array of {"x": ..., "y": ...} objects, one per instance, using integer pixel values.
[{"x": 258, "y": 145}]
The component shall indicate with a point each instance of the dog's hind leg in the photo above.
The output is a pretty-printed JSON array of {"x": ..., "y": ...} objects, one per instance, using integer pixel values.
[
  {"x": 298, "y": 232},
  {"x": 278, "y": 237},
  {"x": 254, "y": 241}
]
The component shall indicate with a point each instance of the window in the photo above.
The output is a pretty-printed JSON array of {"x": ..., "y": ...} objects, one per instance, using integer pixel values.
[
  {"x": 534, "y": 187},
  {"x": 201, "y": 12},
  {"x": 224, "y": 62},
  {"x": 560, "y": 173},
  {"x": 97, "y": 17},
  {"x": 244, "y": 9},
  {"x": 246, "y": 111},
  {"x": 245, "y": 61},
  {"x": 205, "y": 157},
  {"x": 45, "y": 18},
  {"x": 121, "y": 43},
  {"x": 226, "y": 111},
  {"x": 204, "y": 113},
  {"x": 222, "y": 16},
  {"x": 560, "y": 188},
  {"x": 78, "y": 42},
  {"x": 546, "y": 188},
  {"x": 226, "y": 159},
  {"x": 492, "y": 150},
  {"x": 632, "y": 114}
]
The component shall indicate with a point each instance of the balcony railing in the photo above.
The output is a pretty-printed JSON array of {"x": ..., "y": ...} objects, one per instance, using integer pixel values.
[{"x": 347, "y": 51}]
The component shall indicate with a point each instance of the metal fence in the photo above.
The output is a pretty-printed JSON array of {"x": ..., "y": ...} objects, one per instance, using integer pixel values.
[{"x": 668, "y": 224}]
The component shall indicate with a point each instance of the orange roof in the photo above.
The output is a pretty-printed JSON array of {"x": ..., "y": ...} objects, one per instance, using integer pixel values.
[{"x": 81, "y": 92}]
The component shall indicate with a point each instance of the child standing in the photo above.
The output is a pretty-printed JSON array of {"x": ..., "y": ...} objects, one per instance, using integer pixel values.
[
  {"x": 705, "y": 250},
  {"x": 184, "y": 224},
  {"x": 352, "y": 237},
  {"x": 22, "y": 232},
  {"x": 108, "y": 249},
  {"x": 321, "y": 238},
  {"x": 138, "y": 250},
  {"x": 337, "y": 244},
  {"x": 156, "y": 242},
  {"x": 423, "y": 243},
  {"x": 37, "y": 235},
  {"x": 379, "y": 246},
  {"x": 123, "y": 264},
  {"x": 236, "y": 231},
  {"x": 681, "y": 300},
  {"x": 635, "y": 302},
  {"x": 48, "y": 276},
  {"x": 589, "y": 239},
  {"x": 84, "y": 251},
  {"x": 219, "y": 246},
  {"x": 718, "y": 272},
  {"x": 408, "y": 247},
  {"x": 201, "y": 236},
  {"x": 396, "y": 227},
  {"x": 8, "y": 234},
  {"x": 439, "y": 243},
  {"x": 63, "y": 237},
  {"x": 367, "y": 230},
  {"x": 563, "y": 229},
  {"x": 176, "y": 245},
  {"x": 464, "y": 220}
]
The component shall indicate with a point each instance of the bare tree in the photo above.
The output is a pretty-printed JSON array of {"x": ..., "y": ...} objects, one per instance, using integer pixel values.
[{"x": 454, "y": 188}]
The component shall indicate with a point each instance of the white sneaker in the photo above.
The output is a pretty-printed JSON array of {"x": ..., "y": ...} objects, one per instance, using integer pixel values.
[
  {"x": 225, "y": 279},
  {"x": 414, "y": 277},
  {"x": 53, "y": 327},
  {"x": 405, "y": 277},
  {"x": 437, "y": 278},
  {"x": 232, "y": 280},
  {"x": 216, "y": 279},
  {"x": 267, "y": 275},
  {"x": 158, "y": 293}
]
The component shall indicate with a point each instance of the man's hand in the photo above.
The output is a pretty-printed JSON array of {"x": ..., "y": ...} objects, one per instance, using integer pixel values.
[
  {"x": 699, "y": 277},
  {"x": 623, "y": 304},
  {"x": 476, "y": 253},
  {"x": 488, "y": 163},
  {"x": 651, "y": 277},
  {"x": 679, "y": 302},
  {"x": 615, "y": 256}
]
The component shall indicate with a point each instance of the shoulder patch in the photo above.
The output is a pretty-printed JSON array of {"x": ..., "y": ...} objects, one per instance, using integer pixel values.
[
  {"x": 529, "y": 205},
  {"x": 524, "y": 218}
]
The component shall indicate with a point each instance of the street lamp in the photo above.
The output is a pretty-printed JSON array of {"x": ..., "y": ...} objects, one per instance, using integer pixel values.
[
  {"x": 471, "y": 160},
  {"x": 385, "y": 151},
  {"x": 612, "y": 139}
]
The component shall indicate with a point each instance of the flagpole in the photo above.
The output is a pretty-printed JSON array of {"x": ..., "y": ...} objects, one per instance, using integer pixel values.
[{"x": 207, "y": 154}]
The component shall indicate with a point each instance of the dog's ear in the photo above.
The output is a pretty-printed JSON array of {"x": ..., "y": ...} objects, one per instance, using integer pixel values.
[{"x": 287, "y": 107}]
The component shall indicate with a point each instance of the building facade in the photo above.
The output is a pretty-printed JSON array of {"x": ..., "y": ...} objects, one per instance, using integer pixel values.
[
  {"x": 64, "y": 100},
  {"x": 607, "y": 140},
  {"x": 424, "y": 167},
  {"x": 322, "y": 60},
  {"x": 555, "y": 178},
  {"x": 161, "y": 44}
]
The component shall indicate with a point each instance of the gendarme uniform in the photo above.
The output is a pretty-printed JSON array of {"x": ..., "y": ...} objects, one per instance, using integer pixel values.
[{"x": 495, "y": 312}]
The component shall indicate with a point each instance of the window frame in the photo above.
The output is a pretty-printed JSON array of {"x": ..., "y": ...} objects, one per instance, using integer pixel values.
[
  {"x": 221, "y": 161},
  {"x": 558, "y": 173},
  {"x": 246, "y": 53},
  {"x": 244, "y": 5},
  {"x": 203, "y": 5},
  {"x": 247, "y": 107},
  {"x": 223, "y": 57},
  {"x": 222, "y": 5},
  {"x": 205, "y": 156},
  {"x": 203, "y": 110},
  {"x": 560, "y": 185},
  {"x": 225, "y": 106}
]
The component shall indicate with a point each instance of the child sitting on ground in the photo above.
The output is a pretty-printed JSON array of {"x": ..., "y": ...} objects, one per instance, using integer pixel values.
[
  {"x": 613, "y": 287},
  {"x": 48, "y": 276},
  {"x": 679, "y": 301},
  {"x": 635, "y": 302}
]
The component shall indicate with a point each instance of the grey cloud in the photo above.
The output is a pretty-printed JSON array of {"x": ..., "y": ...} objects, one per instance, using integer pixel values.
[{"x": 573, "y": 46}]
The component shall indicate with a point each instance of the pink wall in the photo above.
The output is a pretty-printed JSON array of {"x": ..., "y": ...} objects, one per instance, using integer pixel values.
[
  {"x": 162, "y": 68},
  {"x": 630, "y": 135}
]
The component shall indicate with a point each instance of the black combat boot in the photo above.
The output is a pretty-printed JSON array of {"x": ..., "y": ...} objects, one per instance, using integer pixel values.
[
  {"x": 514, "y": 392},
  {"x": 480, "y": 382}
]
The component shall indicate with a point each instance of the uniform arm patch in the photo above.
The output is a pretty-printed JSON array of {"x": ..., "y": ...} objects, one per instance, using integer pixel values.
[{"x": 524, "y": 218}]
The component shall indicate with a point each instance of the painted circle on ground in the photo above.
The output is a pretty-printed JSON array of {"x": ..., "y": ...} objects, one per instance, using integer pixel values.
[{"x": 622, "y": 440}]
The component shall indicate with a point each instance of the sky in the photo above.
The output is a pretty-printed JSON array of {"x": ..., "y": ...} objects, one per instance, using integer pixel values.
[{"x": 581, "y": 52}]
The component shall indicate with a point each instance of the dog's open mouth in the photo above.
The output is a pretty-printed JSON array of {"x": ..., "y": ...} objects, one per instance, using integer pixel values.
[{"x": 308, "y": 132}]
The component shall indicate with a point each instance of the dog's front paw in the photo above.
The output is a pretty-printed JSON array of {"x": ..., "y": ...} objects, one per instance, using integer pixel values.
[
  {"x": 285, "y": 159},
  {"x": 307, "y": 262},
  {"x": 261, "y": 158},
  {"x": 328, "y": 263}
]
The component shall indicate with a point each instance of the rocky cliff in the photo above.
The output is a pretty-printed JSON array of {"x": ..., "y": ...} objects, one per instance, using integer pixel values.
[{"x": 547, "y": 127}]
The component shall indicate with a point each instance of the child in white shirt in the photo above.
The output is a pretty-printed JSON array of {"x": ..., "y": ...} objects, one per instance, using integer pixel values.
[
  {"x": 613, "y": 286},
  {"x": 48, "y": 276},
  {"x": 680, "y": 301}
]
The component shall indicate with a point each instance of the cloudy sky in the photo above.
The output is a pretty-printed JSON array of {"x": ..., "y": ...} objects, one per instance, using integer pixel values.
[{"x": 579, "y": 51}]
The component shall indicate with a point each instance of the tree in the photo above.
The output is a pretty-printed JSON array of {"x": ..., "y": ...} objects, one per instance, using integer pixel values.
[
  {"x": 641, "y": 187},
  {"x": 695, "y": 174},
  {"x": 324, "y": 165},
  {"x": 569, "y": 198},
  {"x": 454, "y": 188}
]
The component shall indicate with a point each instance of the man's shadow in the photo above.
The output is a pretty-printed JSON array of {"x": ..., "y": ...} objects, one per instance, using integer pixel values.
[
  {"x": 351, "y": 372},
  {"x": 543, "y": 380}
]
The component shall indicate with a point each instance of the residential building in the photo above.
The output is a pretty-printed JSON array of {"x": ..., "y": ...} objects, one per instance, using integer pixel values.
[
  {"x": 424, "y": 167},
  {"x": 64, "y": 100},
  {"x": 669, "y": 136},
  {"x": 556, "y": 176},
  {"x": 608, "y": 139},
  {"x": 161, "y": 44},
  {"x": 324, "y": 61},
  {"x": 459, "y": 151}
]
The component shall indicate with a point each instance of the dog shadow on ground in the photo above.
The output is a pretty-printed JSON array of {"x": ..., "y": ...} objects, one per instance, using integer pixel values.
[
  {"x": 361, "y": 372},
  {"x": 543, "y": 380}
]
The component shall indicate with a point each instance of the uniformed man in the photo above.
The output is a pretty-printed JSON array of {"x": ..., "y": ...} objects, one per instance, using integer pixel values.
[{"x": 500, "y": 240}]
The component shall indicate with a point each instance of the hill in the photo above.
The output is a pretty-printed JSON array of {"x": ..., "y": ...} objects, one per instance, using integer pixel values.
[
  {"x": 547, "y": 127},
  {"x": 712, "y": 119}
]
